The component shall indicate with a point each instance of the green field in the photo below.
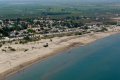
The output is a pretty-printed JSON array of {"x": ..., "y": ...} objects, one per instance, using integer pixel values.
[{"x": 37, "y": 10}]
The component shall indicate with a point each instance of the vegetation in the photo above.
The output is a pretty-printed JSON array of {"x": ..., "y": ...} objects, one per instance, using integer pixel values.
[
  {"x": 0, "y": 45},
  {"x": 35, "y": 10},
  {"x": 25, "y": 50},
  {"x": 103, "y": 29},
  {"x": 28, "y": 22},
  {"x": 27, "y": 38},
  {"x": 31, "y": 31},
  {"x": 12, "y": 49}
]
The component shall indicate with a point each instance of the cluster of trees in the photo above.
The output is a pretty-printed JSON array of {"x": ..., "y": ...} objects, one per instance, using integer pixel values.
[
  {"x": 59, "y": 23},
  {"x": 5, "y": 31}
]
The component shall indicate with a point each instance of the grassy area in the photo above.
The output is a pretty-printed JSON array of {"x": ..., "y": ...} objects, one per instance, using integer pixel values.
[{"x": 24, "y": 10}]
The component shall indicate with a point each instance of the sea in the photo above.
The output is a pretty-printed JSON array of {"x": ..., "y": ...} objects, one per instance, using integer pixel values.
[{"x": 99, "y": 60}]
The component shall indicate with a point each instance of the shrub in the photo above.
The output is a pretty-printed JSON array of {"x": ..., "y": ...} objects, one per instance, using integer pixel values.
[
  {"x": 4, "y": 50},
  {"x": 46, "y": 45},
  {"x": 3, "y": 42},
  {"x": 78, "y": 33},
  {"x": 25, "y": 50},
  {"x": 16, "y": 42},
  {"x": 0, "y": 45},
  {"x": 27, "y": 38},
  {"x": 12, "y": 49},
  {"x": 23, "y": 42}
]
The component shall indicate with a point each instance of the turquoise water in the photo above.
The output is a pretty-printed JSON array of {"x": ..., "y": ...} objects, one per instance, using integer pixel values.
[{"x": 97, "y": 61}]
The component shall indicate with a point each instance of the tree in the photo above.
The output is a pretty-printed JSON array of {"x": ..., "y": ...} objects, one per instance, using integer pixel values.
[
  {"x": 103, "y": 29},
  {"x": 31, "y": 31},
  {"x": 27, "y": 38}
]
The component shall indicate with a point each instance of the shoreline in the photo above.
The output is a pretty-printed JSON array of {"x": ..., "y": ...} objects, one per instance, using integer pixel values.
[
  {"x": 32, "y": 62},
  {"x": 73, "y": 41}
]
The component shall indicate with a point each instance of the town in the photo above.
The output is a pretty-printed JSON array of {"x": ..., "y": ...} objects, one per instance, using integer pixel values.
[{"x": 43, "y": 27}]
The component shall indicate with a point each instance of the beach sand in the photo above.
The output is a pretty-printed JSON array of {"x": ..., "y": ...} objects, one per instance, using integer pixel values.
[{"x": 26, "y": 54}]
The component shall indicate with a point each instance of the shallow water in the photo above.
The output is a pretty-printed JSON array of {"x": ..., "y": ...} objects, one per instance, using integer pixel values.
[{"x": 97, "y": 61}]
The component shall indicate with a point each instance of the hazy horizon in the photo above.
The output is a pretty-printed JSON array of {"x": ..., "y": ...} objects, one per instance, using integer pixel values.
[{"x": 61, "y": 1}]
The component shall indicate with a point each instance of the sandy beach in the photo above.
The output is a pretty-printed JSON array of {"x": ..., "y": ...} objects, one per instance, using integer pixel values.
[{"x": 26, "y": 54}]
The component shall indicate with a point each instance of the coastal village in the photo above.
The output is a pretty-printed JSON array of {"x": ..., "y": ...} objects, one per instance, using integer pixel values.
[
  {"x": 59, "y": 39},
  {"x": 13, "y": 29},
  {"x": 24, "y": 41},
  {"x": 22, "y": 31}
]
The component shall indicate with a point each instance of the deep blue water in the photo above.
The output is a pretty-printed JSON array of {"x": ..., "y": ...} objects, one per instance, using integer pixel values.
[{"x": 97, "y": 61}]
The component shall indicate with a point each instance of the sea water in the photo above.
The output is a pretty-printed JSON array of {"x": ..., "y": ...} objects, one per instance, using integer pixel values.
[{"x": 99, "y": 60}]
